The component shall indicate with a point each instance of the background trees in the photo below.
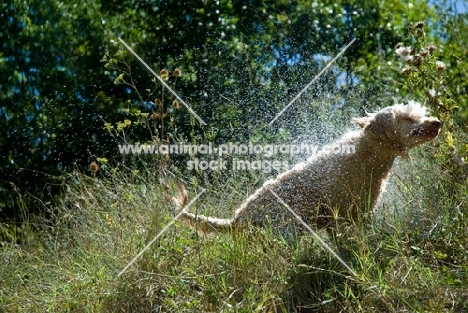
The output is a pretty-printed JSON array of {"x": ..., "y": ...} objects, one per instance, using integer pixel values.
[{"x": 241, "y": 64}]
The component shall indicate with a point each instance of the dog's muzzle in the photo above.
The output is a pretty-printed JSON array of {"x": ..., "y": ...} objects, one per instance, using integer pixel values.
[{"x": 431, "y": 130}]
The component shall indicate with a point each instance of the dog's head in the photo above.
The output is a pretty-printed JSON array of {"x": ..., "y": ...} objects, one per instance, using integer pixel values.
[{"x": 401, "y": 127}]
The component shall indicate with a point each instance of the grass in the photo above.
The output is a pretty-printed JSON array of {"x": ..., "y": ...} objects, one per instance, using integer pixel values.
[{"x": 413, "y": 258}]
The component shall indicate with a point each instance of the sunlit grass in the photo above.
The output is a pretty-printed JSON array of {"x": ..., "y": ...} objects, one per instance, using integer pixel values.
[{"x": 71, "y": 261}]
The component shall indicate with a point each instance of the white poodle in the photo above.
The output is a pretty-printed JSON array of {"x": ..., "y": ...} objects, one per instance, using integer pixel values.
[{"x": 332, "y": 188}]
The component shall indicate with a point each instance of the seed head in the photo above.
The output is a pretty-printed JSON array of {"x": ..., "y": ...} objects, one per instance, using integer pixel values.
[
  {"x": 403, "y": 52},
  {"x": 417, "y": 60},
  {"x": 431, "y": 48},
  {"x": 432, "y": 94},
  {"x": 177, "y": 72},
  {"x": 399, "y": 45},
  {"x": 157, "y": 102},
  {"x": 175, "y": 104},
  {"x": 424, "y": 52},
  {"x": 94, "y": 167},
  {"x": 164, "y": 74},
  {"x": 406, "y": 71},
  {"x": 419, "y": 24},
  {"x": 408, "y": 59},
  {"x": 440, "y": 65}
]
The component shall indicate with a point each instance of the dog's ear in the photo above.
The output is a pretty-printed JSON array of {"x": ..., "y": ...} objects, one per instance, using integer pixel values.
[
  {"x": 362, "y": 121},
  {"x": 385, "y": 119}
]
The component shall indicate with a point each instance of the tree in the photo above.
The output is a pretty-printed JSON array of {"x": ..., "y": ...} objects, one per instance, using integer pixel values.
[{"x": 51, "y": 78}]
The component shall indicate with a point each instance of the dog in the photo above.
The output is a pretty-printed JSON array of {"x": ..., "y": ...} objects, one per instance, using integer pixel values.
[{"x": 330, "y": 189}]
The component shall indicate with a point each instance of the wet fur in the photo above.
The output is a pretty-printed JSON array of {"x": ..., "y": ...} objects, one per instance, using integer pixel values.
[{"x": 331, "y": 189}]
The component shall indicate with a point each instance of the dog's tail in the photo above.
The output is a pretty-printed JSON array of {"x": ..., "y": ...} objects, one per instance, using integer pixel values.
[{"x": 200, "y": 223}]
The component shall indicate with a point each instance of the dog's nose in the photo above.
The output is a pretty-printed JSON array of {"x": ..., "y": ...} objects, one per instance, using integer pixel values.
[{"x": 437, "y": 123}]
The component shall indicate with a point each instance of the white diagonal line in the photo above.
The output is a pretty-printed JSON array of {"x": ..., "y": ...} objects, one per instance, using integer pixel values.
[
  {"x": 162, "y": 82},
  {"x": 315, "y": 234},
  {"x": 312, "y": 81},
  {"x": 161, "y": 232}
]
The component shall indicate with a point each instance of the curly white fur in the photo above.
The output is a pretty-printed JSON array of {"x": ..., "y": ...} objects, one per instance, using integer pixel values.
[{"x": 330, "y": 188}]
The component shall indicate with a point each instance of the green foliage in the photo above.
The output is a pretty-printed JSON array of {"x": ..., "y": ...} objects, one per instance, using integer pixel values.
[
  {"x": 50, "y": 82},
  {"x": 425, "y": 79}
]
